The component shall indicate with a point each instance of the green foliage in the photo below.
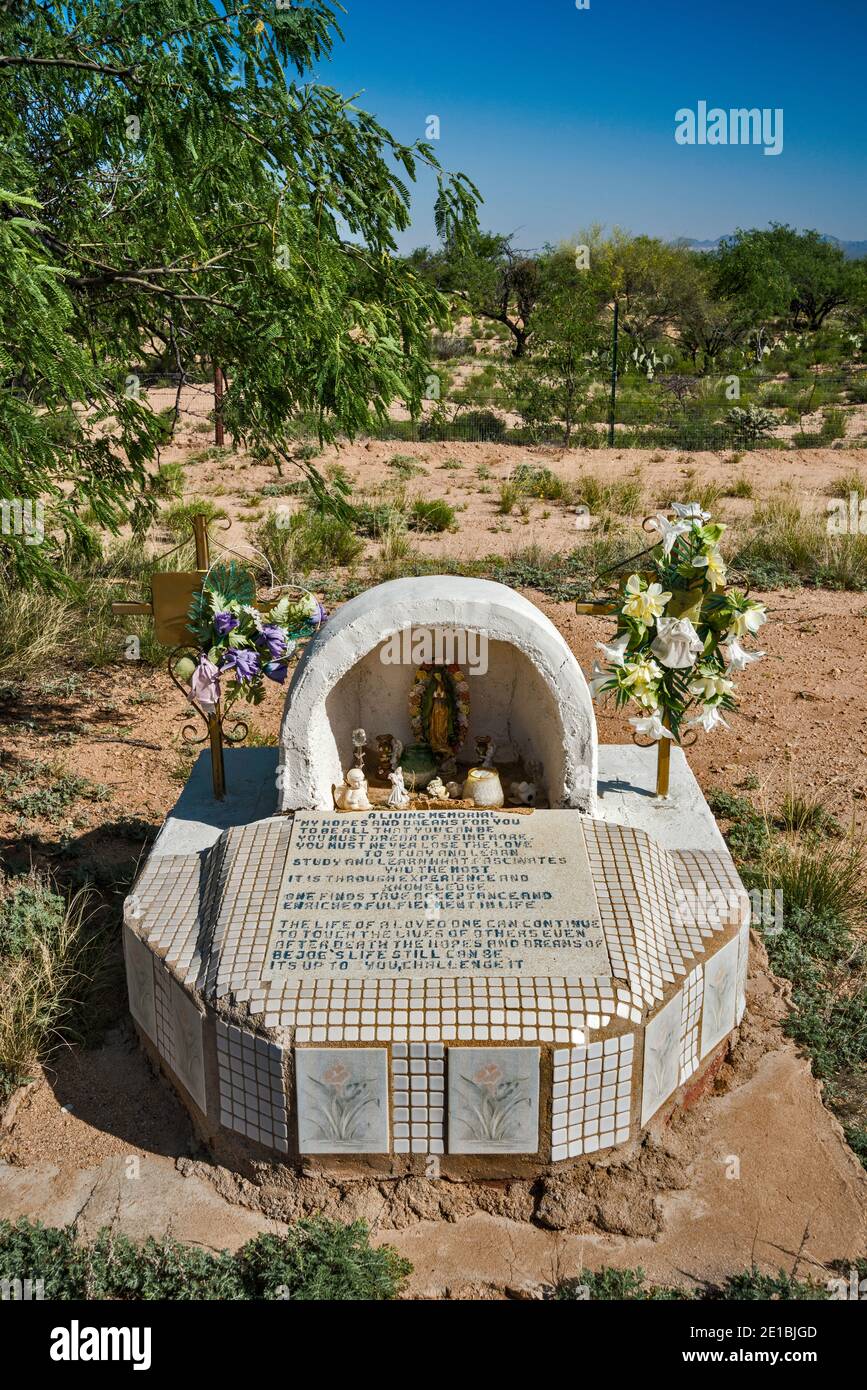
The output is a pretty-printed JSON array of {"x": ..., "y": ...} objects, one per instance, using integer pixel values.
[
  {"x": 49, "y": 950},
  {"x": 315, "y": 1260},
  {"x": 178, "y": 520},
  {"x": 299, "y": 543},
  {"x": 821, "y": 881},
  {"x": 173, "y": 172},
  {"x": 432, "y": 514},
  {"x": 629, "y": 1285},
  {"x": 752, "y": 423},
  {"x": 618, "y": 1285}
]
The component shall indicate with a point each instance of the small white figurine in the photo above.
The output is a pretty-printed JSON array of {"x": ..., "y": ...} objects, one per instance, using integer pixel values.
[
  {"x": 398, "y": 797},
  {"x": 485, "y": 750},
  {"x": 522, "y": 793},
  {"x": 352, "y": 794},
  {"x": 436, "y": 788}
]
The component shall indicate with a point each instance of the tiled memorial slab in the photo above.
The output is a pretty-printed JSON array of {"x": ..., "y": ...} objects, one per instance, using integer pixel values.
[
  {"x": 743, "y": 970},
  {"x": 661, "y": 1074},
  {"x": 720, "y": 996},
  {"x": 437, "y": 891},
  {"x": 188, "y": 1063},
  {"x": 691, "y": 999},
  {"x": 140, "y": 982},
  {"x": 418, "y": 1097},
  {"x": 252, "y": 1094},
  {"x": 493, "y": 1100},
  {"x": 342, "y": 1098},
  {"x": 591, "y": 1096},
  {"x": 643, "y": 895}
]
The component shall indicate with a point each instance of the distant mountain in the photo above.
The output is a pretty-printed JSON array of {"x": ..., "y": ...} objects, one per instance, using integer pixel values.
[{"x": 852, "y": 250}]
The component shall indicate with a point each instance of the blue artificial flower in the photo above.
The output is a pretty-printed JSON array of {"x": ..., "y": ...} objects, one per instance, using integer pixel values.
[
  {"x": 224, "y": 623},
  {"x": 273, "y": 637},
  {"x": 243, "y": 662}
]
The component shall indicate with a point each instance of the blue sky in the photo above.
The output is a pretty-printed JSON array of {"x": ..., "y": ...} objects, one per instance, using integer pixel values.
[{"x": 565, "y": 117}]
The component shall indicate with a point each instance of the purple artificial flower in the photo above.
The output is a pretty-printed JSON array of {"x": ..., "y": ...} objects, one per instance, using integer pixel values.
[
  {"x": 276, "y": 670},
  {"x": 243, "y": 662},
  {"x": 224, "y": 623},
  {"x": 273, "y": 637}
]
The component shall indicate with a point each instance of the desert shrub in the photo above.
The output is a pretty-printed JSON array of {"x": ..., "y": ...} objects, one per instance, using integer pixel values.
[
  {"x": 802, "y": 812},
  {"x": 741, "y": 487},
  {"x": 847, "y": 484},
  {"x": 542, "y": 483},
  {"x": 858, "y": 390},
  {"x": 629, "y": 1285},
  {"x": 47, "y": 953},
  {"x": 509, "y": 494},
  {"x": 821, "y": 883},
  {"x": 178, "y": 520},
  {"x": 434, "y": 514},
  {"x": 405, "y": 466},
  {"x": 786, "y": 547},
  {"x": 833, "y": 425},
  {"x": 472, "y": 425},
  {"x": 445, "y": 346},
  {"x": 624, "y": 497},
  {"x": 168, "y": 481},
  {"x": 315, "y": 1260},
  {"x": 40, "y": 791},
  {"x": 306, "y": 540},
  {"x": 751, "y": 423}
]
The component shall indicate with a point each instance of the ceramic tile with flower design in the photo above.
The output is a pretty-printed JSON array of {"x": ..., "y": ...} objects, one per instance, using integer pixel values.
[
  {"x": 342, "y": 1100},
  {"x": 493, "y": 1100},
  {"x": 720, "y": 996}
]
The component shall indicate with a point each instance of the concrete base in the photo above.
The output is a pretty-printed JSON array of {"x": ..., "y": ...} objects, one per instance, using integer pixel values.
[{"x": 626, "y": 796}]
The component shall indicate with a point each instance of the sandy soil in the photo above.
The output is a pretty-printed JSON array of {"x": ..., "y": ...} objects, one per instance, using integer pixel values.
[{"x": 802, "y": 724}]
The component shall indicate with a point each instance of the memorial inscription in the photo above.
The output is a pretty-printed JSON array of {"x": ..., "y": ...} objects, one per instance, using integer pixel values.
[{"x": 432, "y": 893}]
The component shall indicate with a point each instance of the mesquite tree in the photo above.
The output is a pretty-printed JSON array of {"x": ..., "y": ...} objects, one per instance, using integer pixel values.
[{"x": 170, "y": 181}]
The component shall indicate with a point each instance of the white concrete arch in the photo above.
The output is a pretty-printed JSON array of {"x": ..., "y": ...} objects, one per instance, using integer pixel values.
[{"x": 533, "y": 695}]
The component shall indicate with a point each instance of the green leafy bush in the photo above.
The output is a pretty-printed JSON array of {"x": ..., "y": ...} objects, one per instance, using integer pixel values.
[
  {"x": 315, "y": 1260},
  {"x": 432, "y": 515}
]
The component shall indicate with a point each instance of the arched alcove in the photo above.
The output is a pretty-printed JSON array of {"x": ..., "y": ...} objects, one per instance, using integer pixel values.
[{"x": 532, "y": 697}]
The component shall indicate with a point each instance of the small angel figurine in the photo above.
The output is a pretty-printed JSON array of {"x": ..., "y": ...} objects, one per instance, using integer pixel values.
[
  {"x": 485, "y": 750},
  {"x": 398, "y": 797},
  {"x": 436, "y": 789},
  {"x": 352, "y": 795}
]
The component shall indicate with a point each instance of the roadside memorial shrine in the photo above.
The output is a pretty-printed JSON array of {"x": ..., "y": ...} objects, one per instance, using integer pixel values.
[{"x": 440, "y": 919}]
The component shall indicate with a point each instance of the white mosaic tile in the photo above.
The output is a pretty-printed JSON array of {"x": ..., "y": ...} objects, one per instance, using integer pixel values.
[
  {"x": 418, "y": 1098},
  {"x": 591, "y": 1096},
  {"x": 189, "y": 1063},
  {"x": 691, "y": 997},
  {"x": 720, "y": 996},
  {"x": 743, "y": 970},
  {"x": 140, "y": 982},
  {"x": 493, "y": 1100},
  {"x": 342, "y": 1098},
  {"x": 661, "y": 1058},
  {"x": 252, "y": 1093}
]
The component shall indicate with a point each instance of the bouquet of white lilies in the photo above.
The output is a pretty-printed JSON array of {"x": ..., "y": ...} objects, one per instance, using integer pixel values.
[{"x": 680, "y": 632}]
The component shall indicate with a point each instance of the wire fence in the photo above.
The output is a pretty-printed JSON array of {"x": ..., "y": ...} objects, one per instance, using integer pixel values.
[{"x": 812, "y": 411}]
